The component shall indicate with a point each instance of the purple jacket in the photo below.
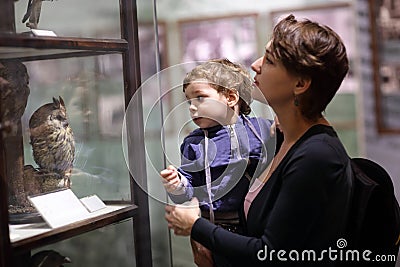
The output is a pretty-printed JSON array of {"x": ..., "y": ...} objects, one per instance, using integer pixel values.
[{"x": 235, "y": 153}]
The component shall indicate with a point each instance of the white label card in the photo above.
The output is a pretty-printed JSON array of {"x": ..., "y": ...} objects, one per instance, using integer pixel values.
[
  {"x": 60, "y": 208},
  {"x": 37, "y": 32},
  {"x": 93, "y": 203}
]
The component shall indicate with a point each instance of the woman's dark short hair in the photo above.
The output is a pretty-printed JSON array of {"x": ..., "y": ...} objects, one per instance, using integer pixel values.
[{"x": 315, "y": 51}]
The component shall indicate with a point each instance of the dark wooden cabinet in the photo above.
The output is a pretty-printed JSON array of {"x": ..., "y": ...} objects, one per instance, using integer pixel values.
[{"x": 25, "y": 48}]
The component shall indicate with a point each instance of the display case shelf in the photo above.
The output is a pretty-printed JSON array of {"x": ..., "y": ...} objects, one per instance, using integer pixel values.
[
  {"x": 30, "y": 236},
  {"x": 27, "y": 48}
]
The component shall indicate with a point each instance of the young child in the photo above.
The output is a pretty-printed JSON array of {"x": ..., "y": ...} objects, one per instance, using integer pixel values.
[{"x": 220, "y": 157}]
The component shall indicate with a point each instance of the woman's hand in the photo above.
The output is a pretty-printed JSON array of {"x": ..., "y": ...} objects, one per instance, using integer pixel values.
[{"x": 181, "y": 218}]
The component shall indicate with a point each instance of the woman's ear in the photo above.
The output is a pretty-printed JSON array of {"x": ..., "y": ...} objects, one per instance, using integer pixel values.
[
  {"x": 233, "y": 98},
  {"x": 302, "y": 85}
]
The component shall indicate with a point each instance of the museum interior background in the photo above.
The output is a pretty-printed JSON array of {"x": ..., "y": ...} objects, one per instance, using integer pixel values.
[{"x": 190, "y": 31}]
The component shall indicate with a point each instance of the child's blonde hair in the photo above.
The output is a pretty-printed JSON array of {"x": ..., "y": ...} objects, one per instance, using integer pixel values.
[{"x": 224, "y": 75}]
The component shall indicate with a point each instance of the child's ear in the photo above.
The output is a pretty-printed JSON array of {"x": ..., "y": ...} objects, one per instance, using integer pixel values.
[{"x": 233, "y": 98}]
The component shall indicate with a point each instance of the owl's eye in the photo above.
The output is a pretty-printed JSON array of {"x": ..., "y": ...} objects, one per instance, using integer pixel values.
[{"x": 60, "y": 118}]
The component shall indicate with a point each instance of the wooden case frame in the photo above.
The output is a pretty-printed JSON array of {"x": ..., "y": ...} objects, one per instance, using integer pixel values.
[{"x": 26, "y": 48}]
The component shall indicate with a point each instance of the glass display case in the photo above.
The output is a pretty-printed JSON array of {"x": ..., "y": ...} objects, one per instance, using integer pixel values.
[{"x": 64, "y": 92}]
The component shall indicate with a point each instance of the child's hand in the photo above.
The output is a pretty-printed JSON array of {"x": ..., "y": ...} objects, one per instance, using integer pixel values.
[{"x": 171, "y": 179}]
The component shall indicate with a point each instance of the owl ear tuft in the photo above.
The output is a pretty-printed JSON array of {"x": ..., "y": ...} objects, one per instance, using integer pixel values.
[
  {"x": 56, "y": 103},
  {"x": 61, "y": 101}
]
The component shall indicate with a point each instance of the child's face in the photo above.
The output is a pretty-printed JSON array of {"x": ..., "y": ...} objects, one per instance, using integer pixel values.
[{"x": 207, "y": 107}]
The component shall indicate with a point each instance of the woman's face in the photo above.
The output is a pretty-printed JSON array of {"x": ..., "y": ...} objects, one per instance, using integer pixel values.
[
  {"x": 274, "y": 81},
  {"x": 207, "y": 107}
]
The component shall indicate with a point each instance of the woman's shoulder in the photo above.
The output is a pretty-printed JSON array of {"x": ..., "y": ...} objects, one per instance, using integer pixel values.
[
  {"x": 318, "y": 156},
  {"x": 322, "y": 147}
]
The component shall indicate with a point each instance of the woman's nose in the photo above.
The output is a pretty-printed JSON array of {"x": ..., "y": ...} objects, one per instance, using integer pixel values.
[{"x": 256, "y": 66}]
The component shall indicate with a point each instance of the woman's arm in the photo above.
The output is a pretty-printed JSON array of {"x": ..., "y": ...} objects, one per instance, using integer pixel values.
[{"x": 302, "y": 215}]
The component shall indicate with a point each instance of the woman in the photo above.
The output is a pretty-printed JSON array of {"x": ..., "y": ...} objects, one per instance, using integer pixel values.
[{"x": 295, "y": 213}]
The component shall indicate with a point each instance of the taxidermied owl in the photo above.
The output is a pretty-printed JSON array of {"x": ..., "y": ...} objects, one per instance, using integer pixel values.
[{"x": 52, "y": 140}]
